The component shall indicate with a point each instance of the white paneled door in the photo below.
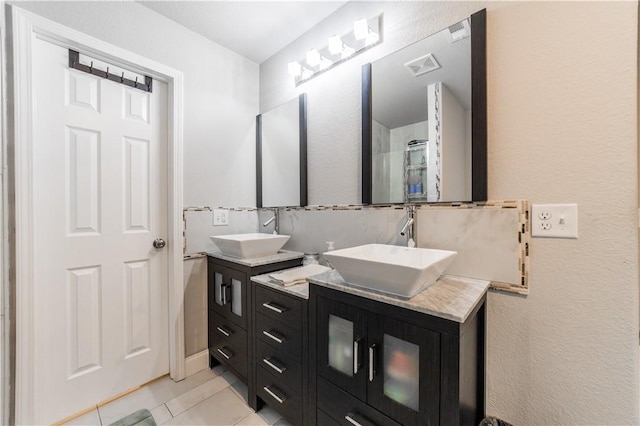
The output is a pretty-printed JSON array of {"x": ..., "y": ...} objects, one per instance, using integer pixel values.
[{"x": 100, "y": 286}]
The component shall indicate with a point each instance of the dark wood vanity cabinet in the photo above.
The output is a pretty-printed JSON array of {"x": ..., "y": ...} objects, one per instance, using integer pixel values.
[
  {"x": 230, "y": 302},
  {"x": 281, "y": 352},
  {"x": 373, "y": 363}
]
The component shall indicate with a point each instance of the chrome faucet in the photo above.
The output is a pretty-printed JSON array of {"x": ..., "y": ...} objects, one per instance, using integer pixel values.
[
  {"x": 407, "y": 228},
  {"x": 274, "y": 218}
]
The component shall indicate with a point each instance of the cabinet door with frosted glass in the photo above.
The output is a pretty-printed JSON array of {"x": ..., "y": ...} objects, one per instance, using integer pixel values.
[
  {"x": 341, "y": 343},
  {"x": 403, "y": 371},
  {"x": 227, "y": 293}
]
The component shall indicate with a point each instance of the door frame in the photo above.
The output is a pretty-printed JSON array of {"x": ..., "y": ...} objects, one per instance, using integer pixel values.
[{"x": 24, "y": 28}]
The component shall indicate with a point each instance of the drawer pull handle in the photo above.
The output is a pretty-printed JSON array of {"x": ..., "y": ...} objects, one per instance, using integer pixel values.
[
  {"x": 224, "y": 354},
  {"x": 372, "y": 370},
  {"x": 350, "y": 419},
  {"x": 223, "y": 331},
  {"x": 276, "y": 397},
  {"x": 271, "y": 336},
  {"x": 274, "y": 366},
  {"x": 274, "y": 308}
]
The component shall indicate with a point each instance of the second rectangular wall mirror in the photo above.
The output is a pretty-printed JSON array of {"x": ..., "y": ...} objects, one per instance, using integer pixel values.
[
  {"x": 281, "y": 155},
  {"x": 424, "y": 127}
]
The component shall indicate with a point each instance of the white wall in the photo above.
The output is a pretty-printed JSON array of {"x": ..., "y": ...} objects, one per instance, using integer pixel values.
[
  {"x": 220, "y": 92},
  {"x": 562, "y": 93}
]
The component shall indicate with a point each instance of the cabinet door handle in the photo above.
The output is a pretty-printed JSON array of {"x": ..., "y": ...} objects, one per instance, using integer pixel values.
[
  {"x": 224, "y": 354},
  {"x": 273, "y": 337},
  {"x": 273, "y": 365},
  {"x": 223, "y": 293},
  {"x": 372, "y": 370},
  {"x": 223, "y": 331},
  {"x": 356, "y": 356},
  {"x": 274, "y": 308},
  {"x": 350, "y": 419},
  {"x": 280, "y": 399}
]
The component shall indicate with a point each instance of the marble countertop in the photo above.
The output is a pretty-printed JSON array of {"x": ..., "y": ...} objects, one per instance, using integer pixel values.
[
  {"x": 298, "y": 290},
  {"x": 451, "y": 297},
  {"x": 281, "y": 256}
]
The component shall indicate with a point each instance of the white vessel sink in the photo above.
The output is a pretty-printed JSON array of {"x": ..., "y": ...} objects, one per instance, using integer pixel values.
[
  {"x": 247, "y": 246},
  {"x": 400, "y": 271}
]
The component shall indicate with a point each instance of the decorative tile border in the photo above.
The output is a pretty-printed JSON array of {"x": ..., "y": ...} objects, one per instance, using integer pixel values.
[
  {"x": 524, "y": 228},
  {"x": 210, "y": 209}
]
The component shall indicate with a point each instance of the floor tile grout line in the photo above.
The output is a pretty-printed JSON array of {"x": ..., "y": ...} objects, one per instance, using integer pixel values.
[{"x": 228, "y": 385}]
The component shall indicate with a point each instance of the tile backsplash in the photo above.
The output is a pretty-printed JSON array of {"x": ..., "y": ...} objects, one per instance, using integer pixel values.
[
  {"x": 198, "y": 227},
  {"x": 492, "y": 238}
]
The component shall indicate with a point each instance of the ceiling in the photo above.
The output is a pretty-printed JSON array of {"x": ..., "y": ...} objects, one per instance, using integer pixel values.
[
  {"x": 254, "y": 29},
  {"x": 400, "y": 98}
]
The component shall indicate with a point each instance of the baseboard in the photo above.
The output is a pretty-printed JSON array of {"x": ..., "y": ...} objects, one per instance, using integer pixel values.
[{"x": 196, "y": 362}]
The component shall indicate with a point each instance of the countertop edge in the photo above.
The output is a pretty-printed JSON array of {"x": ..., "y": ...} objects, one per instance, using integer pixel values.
[
  {"x": 475, "y": 290},
  {"x": 281, "y": 256}
]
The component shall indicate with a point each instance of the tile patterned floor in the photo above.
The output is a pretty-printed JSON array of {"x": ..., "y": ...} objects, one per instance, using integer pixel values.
[{"x": 209, "y": 397}]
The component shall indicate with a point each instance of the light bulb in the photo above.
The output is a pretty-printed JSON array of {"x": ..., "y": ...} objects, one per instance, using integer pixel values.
[
  {"x": 313, "y": 57},
  {"x": 306, "y": 73},
  {"x": 295, "y": 69},
  {"x": 335, "y": 45},
  {"x": 371, "y": 38},
  {"x": 325, "y": 63},
  {"x": 360, "y": 29},
  {"x": 347, "y": 51}
]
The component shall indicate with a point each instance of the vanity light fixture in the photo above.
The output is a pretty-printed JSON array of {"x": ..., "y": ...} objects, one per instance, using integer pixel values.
[{"x": 366, "y": 33}]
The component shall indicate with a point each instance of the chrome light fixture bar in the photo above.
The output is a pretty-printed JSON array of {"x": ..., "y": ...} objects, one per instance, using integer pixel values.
[{"x": 366, "y": 33}]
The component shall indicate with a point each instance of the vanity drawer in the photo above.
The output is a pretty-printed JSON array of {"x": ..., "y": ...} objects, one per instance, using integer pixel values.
[
  {"x": 280, "y": 336},
  {"x": 280, "y": 306},
  {"x": 323, "y": 419},
  {"x": 340, "y": 405},
  {"x": 228, "y": 343},
  {"x": 279, "y": 365},
  {"x": 281, "y": 397},
  {"x": 222, "y": 329}
]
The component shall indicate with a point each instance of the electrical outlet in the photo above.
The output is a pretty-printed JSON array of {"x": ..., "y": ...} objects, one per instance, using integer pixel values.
[
  {"x": 554, "y": 220},
  {"x": 544, "y": 215},
  {"x": 220, "y": 217},
  {"x": 545, "y": 225}
]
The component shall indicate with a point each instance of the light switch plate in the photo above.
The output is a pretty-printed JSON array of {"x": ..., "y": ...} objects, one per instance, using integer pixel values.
[
  {"x": 554, "y": 220},
  {"x": 220, "y": 217}
]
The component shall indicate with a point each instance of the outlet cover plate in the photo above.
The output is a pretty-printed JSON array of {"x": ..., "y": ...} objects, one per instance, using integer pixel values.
[
  {"x": 554, "y": 220},
  {"x": 220, "y": 217}
]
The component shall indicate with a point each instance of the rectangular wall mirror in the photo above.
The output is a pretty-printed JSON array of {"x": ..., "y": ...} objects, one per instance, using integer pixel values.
[
  {"x": 424, "y": 119},
  {"x": 281, "y": 155}
]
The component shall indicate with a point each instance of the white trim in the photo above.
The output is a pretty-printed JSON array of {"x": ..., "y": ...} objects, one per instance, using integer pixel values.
[
  {"x": 26, "y": 26},
  {"x": 197, "y": 362}
]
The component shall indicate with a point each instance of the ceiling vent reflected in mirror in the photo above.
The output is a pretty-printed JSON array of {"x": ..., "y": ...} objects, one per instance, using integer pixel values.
[
  {"x": 422, "y": 65},
  {"x": 460, "y": 30}
]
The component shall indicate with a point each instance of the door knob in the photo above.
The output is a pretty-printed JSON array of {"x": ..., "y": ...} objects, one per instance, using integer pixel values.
[{"x": 159, "y": 243}]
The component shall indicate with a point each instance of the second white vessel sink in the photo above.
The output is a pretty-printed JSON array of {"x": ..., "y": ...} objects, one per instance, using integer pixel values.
[
  {"x": 247, "y": 246},
  {"x": 400, "y": 271}
]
